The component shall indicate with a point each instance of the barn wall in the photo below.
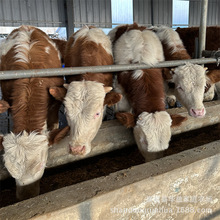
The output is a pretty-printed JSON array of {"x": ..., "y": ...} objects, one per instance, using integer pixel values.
[
  {"x": 75, "y": 13},
  {"x": 88, "y": 12},
  {"x": 41, "y": 13},
  {"x": 96, "y": 12},
  {"x": 56, "y": 13},
  {"x": 148, "y": 12},
  {"x": 213, "y": 14}
]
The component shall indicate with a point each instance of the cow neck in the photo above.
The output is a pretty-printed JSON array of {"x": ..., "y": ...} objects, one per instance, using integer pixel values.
[
  {"x": 29, "y": 109},
  {"x": 145, "y": 94}
]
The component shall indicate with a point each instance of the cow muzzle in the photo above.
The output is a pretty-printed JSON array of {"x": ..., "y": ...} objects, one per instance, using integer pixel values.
[
  {"x": 197, "y": 113},
  {"x": 77, "y": 149}
]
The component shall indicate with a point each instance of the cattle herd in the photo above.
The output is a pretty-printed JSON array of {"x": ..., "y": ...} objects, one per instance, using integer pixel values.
[{"x": 138, "y": 96}]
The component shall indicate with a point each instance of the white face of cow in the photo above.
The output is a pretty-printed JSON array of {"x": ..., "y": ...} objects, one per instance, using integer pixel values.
[
  {"x": 190, "y": 81},
  {"x": 84, "y": 106},
  {"x": 152, "y": 132},
  {"x": 25, "y": 158}
]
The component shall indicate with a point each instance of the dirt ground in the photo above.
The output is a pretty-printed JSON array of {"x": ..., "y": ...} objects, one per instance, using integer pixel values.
[{"x": 107, "y": 163}]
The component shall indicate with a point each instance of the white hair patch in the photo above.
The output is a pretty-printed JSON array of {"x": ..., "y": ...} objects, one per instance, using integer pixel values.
[
  {"x": 137, "y": 74},
  {"x": 152, "y": 131},
  {"x": 47, "y": 50},
  {"x": 24, "y": 154},
  {"x": 170, "y": 37},
  {"x": 138, "y": 47}
]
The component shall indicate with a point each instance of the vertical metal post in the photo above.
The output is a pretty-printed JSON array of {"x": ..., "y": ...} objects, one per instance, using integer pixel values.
[
  {"x": 202, "y": 28},
  {"x": 69, "y": 17},
  {"x": 196, "y": 50},
  {"x": 152, "y": 13}
]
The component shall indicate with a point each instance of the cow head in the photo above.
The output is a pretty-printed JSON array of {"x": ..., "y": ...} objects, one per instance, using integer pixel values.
[
  {"x": 190, "y": 82},
  {"x": 25, "y": 157},
  {"x": 84, "y": 106},
  {"x": 152, "y": 130}
]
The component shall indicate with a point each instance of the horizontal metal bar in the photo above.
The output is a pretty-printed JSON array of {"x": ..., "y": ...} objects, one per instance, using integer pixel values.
[
  {"x": 211, "y": 53},
  {"x": 15, "y": 74}
]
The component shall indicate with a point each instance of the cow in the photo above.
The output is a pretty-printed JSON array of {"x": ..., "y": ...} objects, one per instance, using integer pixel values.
[
  {"x": 189, "y": 36},
  {"x": 86, "y": 95},
  {"x": 190, "y": 79},
  {"x": 34, "y": 111},
  {"x": 61, "y": 46},
  {"x": 142, "y": 106}
]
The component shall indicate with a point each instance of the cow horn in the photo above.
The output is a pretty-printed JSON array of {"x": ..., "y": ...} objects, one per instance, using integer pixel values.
[
  {"x": 65, "y": 85},
  {"x": 107, "y": 89}
]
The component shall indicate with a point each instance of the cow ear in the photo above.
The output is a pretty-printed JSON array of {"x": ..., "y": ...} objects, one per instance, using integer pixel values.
[
  {"x": 57, "y": 135},
  {"x": 213, "y": 76},
  {"x": 4, "y": 106},
  {"x": 107, "y": 89},
  {"x": 167, "y": 74},
  {"x": 58, "y": 92},
  {"x": 112, "y": 98},
  {"x": 1, "y": 145},
  {"x": 126, "y": 118}
]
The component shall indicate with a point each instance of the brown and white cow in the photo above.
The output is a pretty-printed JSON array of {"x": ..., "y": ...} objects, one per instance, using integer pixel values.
[
  {"x": 189, "y": 79},
  {"x": 61, "y": 46},
  {"x": 87, "y": 94},
  {"x": 189, "y": 36},
  {"x": 142, "y": 105},
  {"x": 34, "y": 111}
]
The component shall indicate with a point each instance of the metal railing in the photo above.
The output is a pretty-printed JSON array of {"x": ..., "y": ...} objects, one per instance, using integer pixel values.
[{"x": 15, "y": 74}]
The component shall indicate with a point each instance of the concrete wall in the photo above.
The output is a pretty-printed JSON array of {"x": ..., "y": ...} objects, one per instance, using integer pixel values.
[{"x": 181, "y": 186}]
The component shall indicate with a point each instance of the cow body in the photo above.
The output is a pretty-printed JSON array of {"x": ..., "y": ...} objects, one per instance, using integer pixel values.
[
  {"x": 86, "y": 96},
  {"x": 34, "y": 111},
  {"x": 189, "y": 35},
  {"x": 143, "y": 88},
  {"x": 61, "y": 46},
  {"x": 89, "y": 47}
]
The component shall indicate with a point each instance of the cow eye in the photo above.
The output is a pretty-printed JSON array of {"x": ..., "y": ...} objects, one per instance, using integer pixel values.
[
  {"x": 97, "y": 114},
  {"x": 207, "y": 87}
]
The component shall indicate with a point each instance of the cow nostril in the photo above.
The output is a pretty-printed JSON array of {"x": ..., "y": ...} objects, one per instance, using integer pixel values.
[
  {"x": 77, "y": 150},
  {"x": 194, "y": 112},
  {"x": 70, "y": 149},
  {"x": 198, "y": 112}
]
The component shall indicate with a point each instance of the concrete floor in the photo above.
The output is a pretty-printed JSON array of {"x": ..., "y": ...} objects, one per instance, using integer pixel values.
[{"x": 180, "y": 186}]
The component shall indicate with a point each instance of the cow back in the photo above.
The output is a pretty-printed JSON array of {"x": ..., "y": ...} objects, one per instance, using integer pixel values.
[{"x": 89, "y": 47}]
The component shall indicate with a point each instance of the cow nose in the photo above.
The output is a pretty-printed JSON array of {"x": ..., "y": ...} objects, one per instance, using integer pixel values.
[
  {"x": 197, "y": 112},
  {"x": 77, "y": 150}
]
